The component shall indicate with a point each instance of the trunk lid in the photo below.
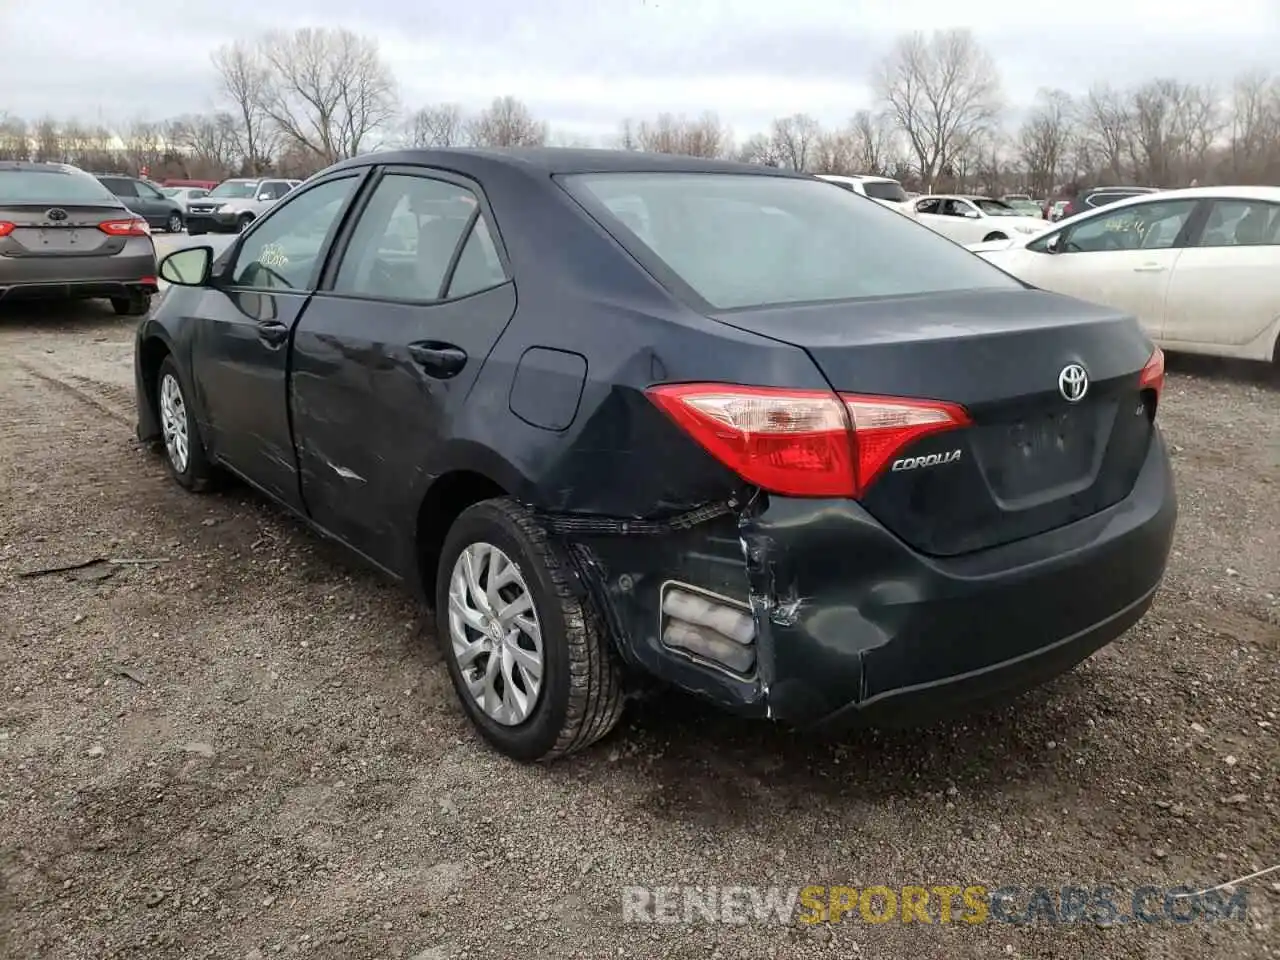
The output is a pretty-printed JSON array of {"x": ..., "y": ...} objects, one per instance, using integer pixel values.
[
  {"x": 59, "y": 230},
  {"x": 1031, "y": 460}
]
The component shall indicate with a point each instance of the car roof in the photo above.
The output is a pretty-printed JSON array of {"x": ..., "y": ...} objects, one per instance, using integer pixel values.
[
  {"x": 562, "y": 160},
  {"x": 855, "y": 178}
]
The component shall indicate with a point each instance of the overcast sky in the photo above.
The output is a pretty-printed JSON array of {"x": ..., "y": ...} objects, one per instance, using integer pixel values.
[{"x": 584, "y": 64}]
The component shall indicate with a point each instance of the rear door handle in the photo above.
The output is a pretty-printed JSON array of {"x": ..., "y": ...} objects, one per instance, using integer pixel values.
[
  {"x": 1149, "y": 268},
  {"x": 439, "y": 360},
  {"x": 273, "y": 332}
]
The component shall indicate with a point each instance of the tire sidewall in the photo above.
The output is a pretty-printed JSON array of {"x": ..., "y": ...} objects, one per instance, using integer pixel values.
[
  {"x": 534, "y": 737},
  {"x": 174, "y": 218},
  {"x": 190, "y": 476}
]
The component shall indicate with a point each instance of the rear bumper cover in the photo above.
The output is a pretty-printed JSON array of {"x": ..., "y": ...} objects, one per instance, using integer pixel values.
[
  {"x": 113, "y": 275},
  {"x": 855, "y": 626}
]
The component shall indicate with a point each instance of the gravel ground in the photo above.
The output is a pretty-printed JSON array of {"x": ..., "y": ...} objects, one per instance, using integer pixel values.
[{"x": 252, "y": 749}]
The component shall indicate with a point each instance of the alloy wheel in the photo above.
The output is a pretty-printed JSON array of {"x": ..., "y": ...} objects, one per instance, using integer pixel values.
[
  {"x": 495, "y": 636},
  {"x": 173, "y": 422}
]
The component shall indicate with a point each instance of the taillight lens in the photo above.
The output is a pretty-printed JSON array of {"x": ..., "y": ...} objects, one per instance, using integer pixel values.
[
  {"x": 133, "y": 227},
  {"x": 802, "y": 443},
  {"x": 6, "y": 228},
  {"x": 1152, "y": 376}
]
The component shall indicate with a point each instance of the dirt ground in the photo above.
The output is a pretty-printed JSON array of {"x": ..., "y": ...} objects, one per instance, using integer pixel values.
[{"x": 251, "y": 749}]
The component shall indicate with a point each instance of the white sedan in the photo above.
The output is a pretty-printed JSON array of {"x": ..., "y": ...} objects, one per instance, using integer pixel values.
[
  {"x": 966, "y": 219},
  {"x": 1199, "y": 268}
]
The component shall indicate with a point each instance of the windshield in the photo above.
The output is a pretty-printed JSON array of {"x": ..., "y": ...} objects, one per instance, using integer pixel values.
[
  {"x": 171, "y": 191},
  {"x": 742, "y": 240},
  {"x": 51, "y": 186},
  {"x": 885, "y": 190},
  {"x": 996, "y": 208},
  {"x": 235, "y": 190}
]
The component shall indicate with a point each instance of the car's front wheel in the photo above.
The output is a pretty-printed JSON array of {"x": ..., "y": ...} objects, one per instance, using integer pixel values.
[
  {"x": 530, "y": 658},
  {"x": 183, "y": 448},
  {"x": 174, "y": 223},
  {"x": 244, "y": 222}
]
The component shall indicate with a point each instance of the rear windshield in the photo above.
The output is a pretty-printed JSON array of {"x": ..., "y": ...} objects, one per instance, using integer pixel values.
[
  {"x": 748, "y": 241},
  {"x": 885, "y": 190},
  {"x": 51, "y": 186}
]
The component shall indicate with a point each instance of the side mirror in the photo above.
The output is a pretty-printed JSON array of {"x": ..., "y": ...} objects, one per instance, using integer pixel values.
[
  {"x": 971, "y": 214},
  {"x": 264, "y": 196},
  {"x": 1053, "y": 244},
  {"x": 187, "y": 268}
]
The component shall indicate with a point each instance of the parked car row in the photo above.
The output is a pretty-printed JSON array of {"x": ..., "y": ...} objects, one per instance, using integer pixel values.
[
  {"x": 1197, "y": 267},
  {"x": 195, "y": 206}
]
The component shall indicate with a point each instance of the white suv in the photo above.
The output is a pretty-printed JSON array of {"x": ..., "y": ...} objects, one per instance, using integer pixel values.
[{"x": 883, "y": 190}]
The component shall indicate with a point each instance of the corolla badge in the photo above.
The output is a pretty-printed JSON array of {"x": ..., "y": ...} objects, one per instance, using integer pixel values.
[{"x": 1073, "y": 383}]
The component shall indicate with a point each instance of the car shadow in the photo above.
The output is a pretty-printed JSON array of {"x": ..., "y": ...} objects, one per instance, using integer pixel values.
[
  {"x": 66, "y": 315},
  {"x": 1225, "y": 368}
]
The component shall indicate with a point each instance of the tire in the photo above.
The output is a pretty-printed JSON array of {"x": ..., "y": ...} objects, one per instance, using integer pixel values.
[
  {"x": 134, "y": 305},
  {"x": 174, "y": 223},
  {"x": 195, "y": 473},
  {"x": 242, "y": 224},
  {"x": 580, "y": 695},
  {"x": 994, "y": 236}
]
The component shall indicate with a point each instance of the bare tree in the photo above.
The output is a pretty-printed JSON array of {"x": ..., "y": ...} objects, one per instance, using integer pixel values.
[
  {"x": 873, "y": 141},
  {"x": 440, "y": 125},
  {"x": 211, "y": 142},
  {"x": 758, "y": 149},
  {"x": 1255, "y": 126},
  {"x": 143, "y": 145},
  {"x": 507, "y": 122},
  {"x": 795, "y": 140},
  {"x": 939, "y": 91},
  {"x": 833, "y": 152},
  {"x": 14, "y": 142},
  {"x": 704, "y": 136},
  {"x": 1108, "y": 123},
  {"x": 328, "y": 91},
  {"x": 245, "y": 81},
  {"x": 49, "y": 140},
  {"x": 1045, "y": 139}
]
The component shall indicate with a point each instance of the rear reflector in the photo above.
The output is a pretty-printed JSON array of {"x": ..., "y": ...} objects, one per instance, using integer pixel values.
[
  {"x": 802, "y": 443},
  {"x": 1152, "y": 376},
  {"x": 6, "y": 228},
  {"x": 134, "y": 227}
]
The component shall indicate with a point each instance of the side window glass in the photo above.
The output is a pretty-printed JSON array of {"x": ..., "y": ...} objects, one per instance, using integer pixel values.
[
  {"x": 122, "y": 188},
  {"x": 278, "y": 189},
  {"x": 1146, "y": 226},
  {"x": 406, "y": 238},
  {"x": 1234, "y": 223},
  {"x": 283, "y": 251},
  {"x": 150, "y": 192},
  {"x": 927, "y": 206},
  {"x": 479, "y": 266}
]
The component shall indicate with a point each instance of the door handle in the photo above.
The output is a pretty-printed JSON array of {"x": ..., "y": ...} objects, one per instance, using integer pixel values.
[
  {"x": 439, "y": 360},
  {"x": 273, "y": 332},
  {"x": 1149, "y": 268}
]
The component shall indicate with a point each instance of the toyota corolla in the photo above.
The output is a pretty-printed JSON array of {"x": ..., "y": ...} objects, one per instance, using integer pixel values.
[{"x": 619, "y": 417}]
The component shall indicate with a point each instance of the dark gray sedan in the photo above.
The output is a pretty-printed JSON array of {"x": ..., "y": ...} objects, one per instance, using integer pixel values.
[{"x": 63, "y": 235}]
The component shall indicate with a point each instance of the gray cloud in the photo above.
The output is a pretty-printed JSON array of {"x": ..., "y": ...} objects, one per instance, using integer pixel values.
[{"x": 586, "y": 66}]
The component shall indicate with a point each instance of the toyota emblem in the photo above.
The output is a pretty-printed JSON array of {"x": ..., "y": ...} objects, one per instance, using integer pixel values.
[
  {"x": 1073, "y": 383},
  {"x": 57, "y": 214}
]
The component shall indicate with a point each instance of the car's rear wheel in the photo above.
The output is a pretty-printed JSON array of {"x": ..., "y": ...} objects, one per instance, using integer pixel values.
[
  {"x": 996, "y": 235},
  {"x": 134, "y": 305},
  {"x": 529, "y": 657},
  {"x": 183, "y": 448},
  {"x": 245, "y": 220},
  {"x": 174, "y": 223}
]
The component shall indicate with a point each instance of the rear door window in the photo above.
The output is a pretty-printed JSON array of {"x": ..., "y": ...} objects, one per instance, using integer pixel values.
[
  {"x": 740, "y": 240},
  {"x": 121, "y": 188},
  {"x": 1237, "y": 223}
]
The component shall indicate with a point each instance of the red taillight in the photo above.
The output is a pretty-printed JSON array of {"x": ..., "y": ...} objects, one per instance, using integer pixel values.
[
  {"x": 133, "y": 227},
  {"x": 1152, "y": 376},
  {"x": 6, "y": 228},
  {"x": 802, "y": 443}
]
